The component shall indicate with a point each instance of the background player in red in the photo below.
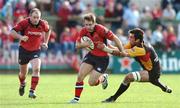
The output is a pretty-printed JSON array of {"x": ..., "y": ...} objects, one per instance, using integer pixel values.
[
  {"x": 96, "y": 61},
  {"x": 145, "y": 55},
  {"x": 30, "y": 32}
]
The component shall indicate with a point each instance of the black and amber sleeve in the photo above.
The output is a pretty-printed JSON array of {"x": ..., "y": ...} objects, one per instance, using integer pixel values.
[
  {"x": 135, "y": 51},
  {"x": 127, "y": 46}
]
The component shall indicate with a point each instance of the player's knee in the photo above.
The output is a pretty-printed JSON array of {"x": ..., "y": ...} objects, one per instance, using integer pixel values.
[
  {"x": 22, "y": 74},
  {"x": 36, "y": 72},
  {"x": 128, "y": 78},
  {"x": 91, "y": 83}
]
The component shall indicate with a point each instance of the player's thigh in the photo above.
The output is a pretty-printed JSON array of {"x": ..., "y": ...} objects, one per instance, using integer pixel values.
[
  {"x": 36, "y": 64},
  {"x": 84, "y": 70},
  {"x": 94, "y": 76},
  {"x": 144, "y": 76}
]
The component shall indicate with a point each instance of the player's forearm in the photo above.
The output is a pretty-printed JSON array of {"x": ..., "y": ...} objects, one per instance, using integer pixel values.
[
  {"x": 81, "y": 45},
  {"x": 115, "y": 52},
  {"x": 15, "y": 34},
  {"x": 118, "y": 43},
  {"x": 111, "y": 46},
  {"x": 121, "y": 54},
  {"x": 108, "y": 50},
  {"x": 78, "y": 46},
  {"x": 47, "y": 35}
]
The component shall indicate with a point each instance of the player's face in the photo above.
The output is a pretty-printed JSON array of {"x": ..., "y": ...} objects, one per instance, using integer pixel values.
[
  {"x": 132, "y": 39},
  {"x": 89, "y": 25},
  {"x": 35, "y": 17}
]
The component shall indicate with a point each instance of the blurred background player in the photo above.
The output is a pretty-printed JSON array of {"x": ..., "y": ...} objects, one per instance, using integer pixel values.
[
  {"x": 145, "y": 55},
  {"x": 30, "y": 33},
  {"x": 96, "y": 61}
]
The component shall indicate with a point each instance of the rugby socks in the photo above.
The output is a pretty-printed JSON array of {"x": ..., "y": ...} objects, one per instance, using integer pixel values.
[
  {"x": 123, "y": 87},
  {"x": 34, "y": 82},
  {"x": 78, "y": 90},
  {"x": 159, "y": 84},
  {"x": 22, "y": 80}
]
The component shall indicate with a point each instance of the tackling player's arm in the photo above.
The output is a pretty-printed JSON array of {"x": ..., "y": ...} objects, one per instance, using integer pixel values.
[
  {"x": 115, "y": 51},
  {"x": 131, "y": 52}
]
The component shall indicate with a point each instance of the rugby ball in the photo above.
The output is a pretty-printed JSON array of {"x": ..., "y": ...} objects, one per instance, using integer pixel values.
[{"x": 87, "y": 39}]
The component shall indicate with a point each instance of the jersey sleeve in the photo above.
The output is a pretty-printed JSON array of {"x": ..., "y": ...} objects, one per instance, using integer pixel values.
[
  {"x": 104, "y": 32},
  {"x": 136, "y": 51},
  {"x": 45, "y": 25},
  {"x": 20, "y": 26},
  {"x": 108, "y": 33},
  {"x": 127, "y": 46},
  {"x": 82, "y": 32}
]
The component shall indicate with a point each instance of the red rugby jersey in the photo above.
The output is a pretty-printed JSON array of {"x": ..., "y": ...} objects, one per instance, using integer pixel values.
[
  {"x": 101, "y": 34},
  {"x": 35, "y": 33}
]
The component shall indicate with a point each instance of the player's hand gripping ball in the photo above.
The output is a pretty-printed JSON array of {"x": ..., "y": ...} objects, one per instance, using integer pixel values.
[{"x": 87, "y": 39}]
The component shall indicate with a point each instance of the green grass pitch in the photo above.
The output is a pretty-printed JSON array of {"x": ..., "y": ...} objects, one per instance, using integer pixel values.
[{"x": 56, "y": 90}]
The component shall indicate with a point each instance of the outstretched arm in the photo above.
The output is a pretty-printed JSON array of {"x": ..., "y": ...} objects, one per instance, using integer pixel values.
[
  {"x": 111, "y": 49},
  {"x": 132, "y": 52},
  {"x": 118, "y": 43},
  {"x": 115, "y": 52}
]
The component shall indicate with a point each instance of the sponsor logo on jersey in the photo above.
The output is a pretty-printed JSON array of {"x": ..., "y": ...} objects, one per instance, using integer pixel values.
[
  {"x": 99, "y": 69},
  {"x": 35, "y": 55},
  {"x": 34, "y": 33}
]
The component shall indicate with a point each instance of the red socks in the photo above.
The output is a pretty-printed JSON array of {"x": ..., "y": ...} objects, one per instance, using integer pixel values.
[
  {"x": 78, "y": 90},
  {"x": 34, "y": 82}
]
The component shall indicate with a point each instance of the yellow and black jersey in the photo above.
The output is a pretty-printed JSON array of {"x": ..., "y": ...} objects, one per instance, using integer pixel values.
[{"x": 145, "y": 55}]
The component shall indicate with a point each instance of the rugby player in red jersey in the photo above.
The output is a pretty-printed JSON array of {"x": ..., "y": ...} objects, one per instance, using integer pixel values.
[
  {"x": 145, "y": 55},
  {"x": 96, "y": 61},
  {"x": 30, "y": 33}
]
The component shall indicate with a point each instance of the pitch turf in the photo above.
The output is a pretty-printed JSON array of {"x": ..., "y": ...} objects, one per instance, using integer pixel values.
[{"x": 56, "y": 90}]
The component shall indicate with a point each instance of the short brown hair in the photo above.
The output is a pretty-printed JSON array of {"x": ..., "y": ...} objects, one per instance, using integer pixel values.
[
  {"x": 34, "y": 10},
  {"x": 90, "y": 17},
  {"x": 138, "y": 33}
]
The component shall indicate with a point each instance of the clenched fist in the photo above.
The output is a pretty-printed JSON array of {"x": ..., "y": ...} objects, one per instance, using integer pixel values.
[
  {"x": 100, "y": 45},
  {"x": 44, "y": 46},
  {"x": 24, "y": 38},
  {"x": 116, "y": 53}
]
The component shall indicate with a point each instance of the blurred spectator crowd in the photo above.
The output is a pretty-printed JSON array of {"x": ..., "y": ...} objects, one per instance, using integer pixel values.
[{"x": 161, "y": 22}]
